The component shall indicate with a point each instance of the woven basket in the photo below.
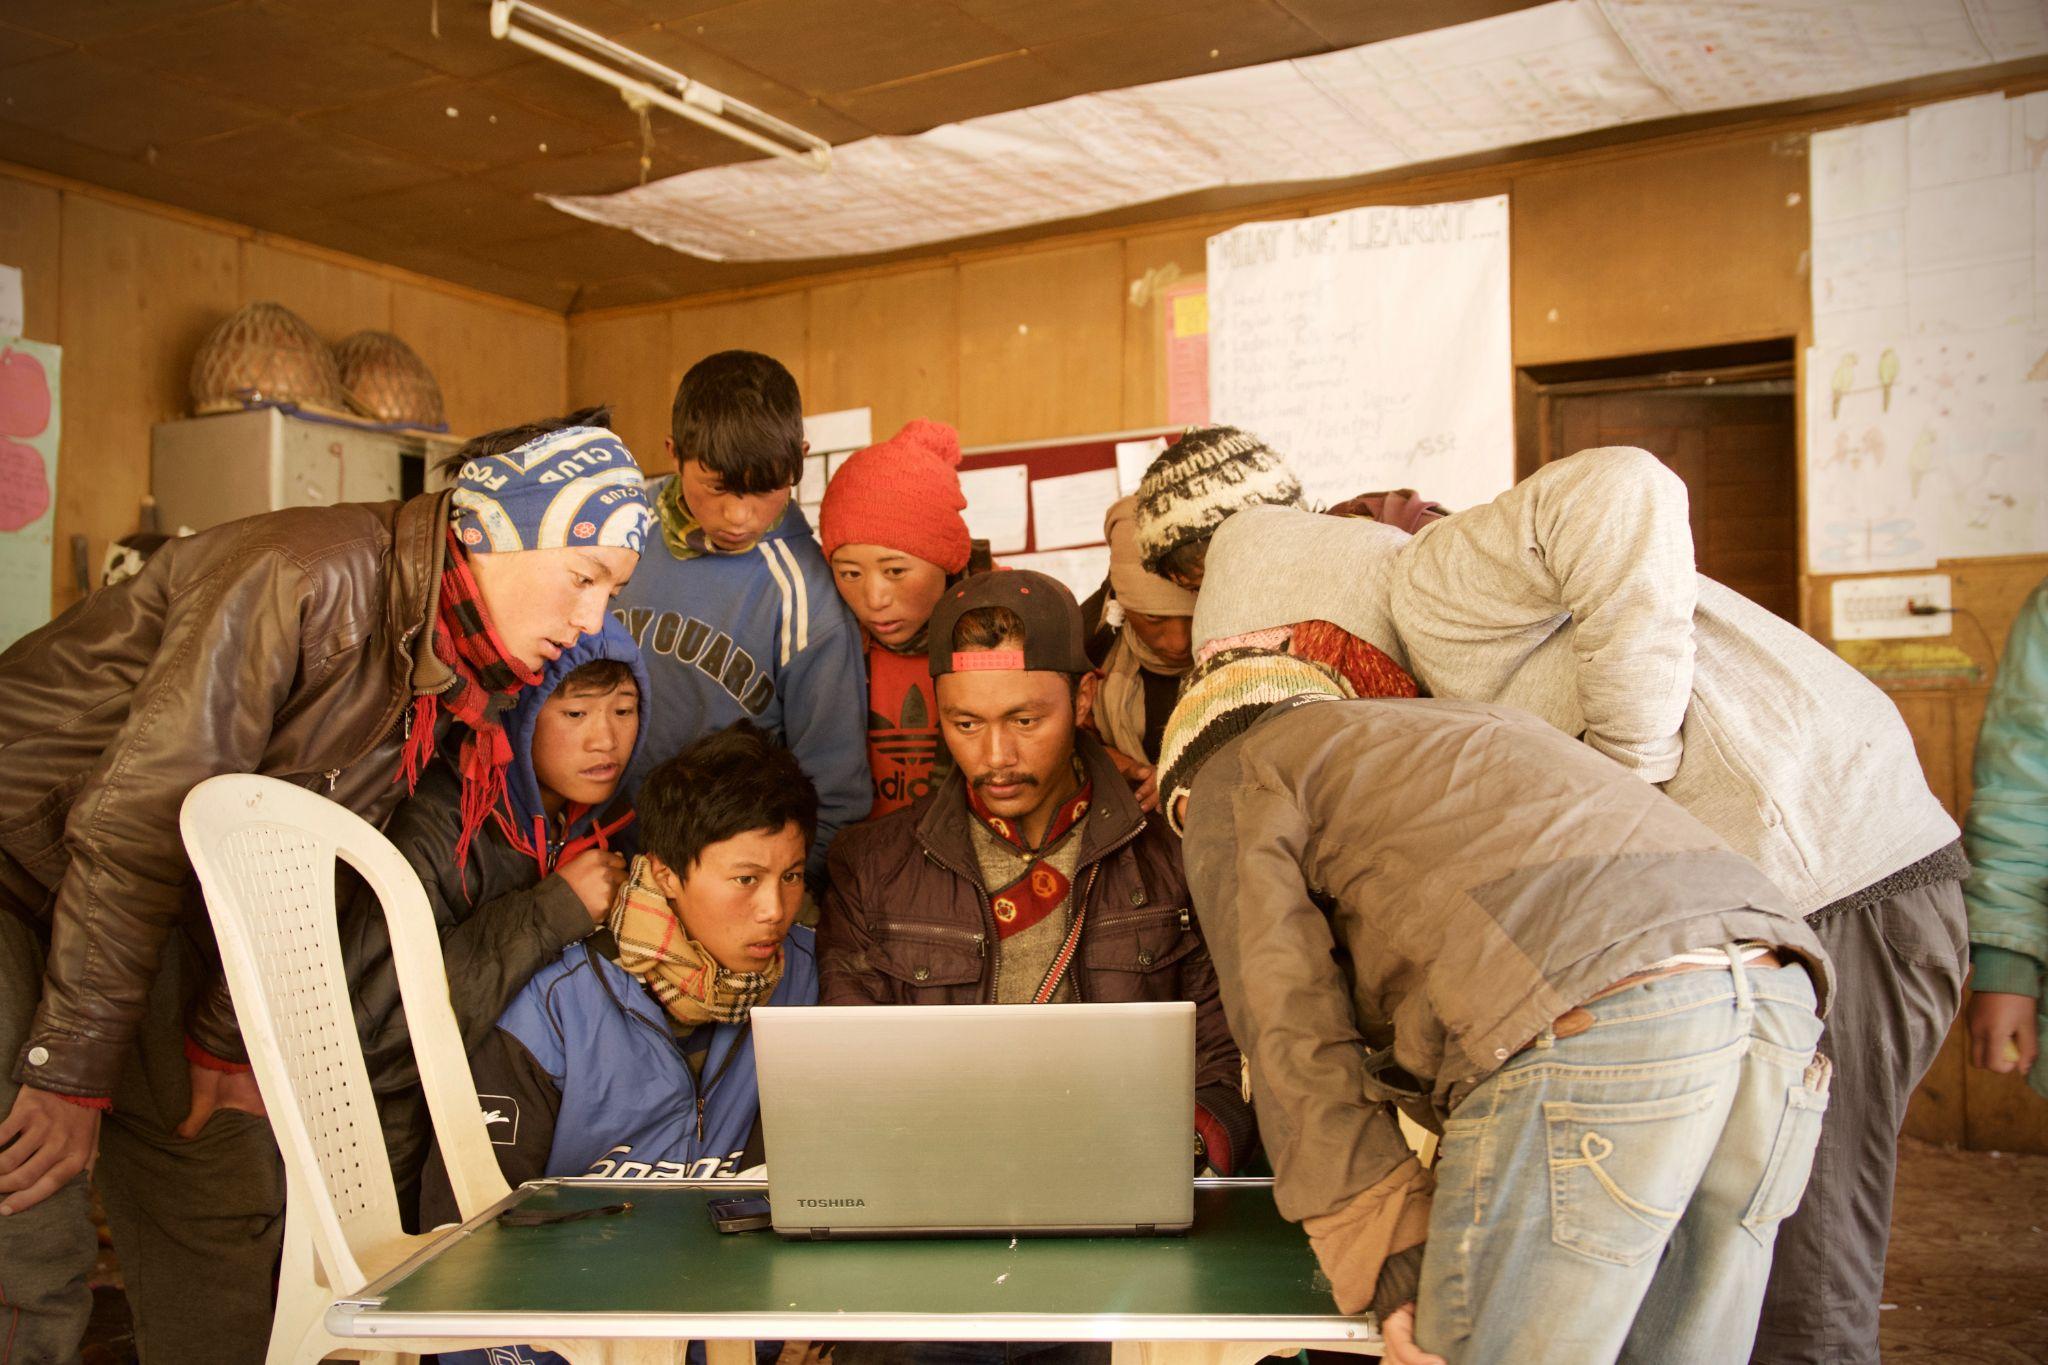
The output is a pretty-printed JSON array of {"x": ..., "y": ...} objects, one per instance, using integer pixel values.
[
  {"x": 264, "y": 353},
  {"x": 385, "y": 379}
]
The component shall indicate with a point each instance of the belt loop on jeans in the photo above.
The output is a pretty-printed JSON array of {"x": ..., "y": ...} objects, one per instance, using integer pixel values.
[{"x": 1744, "y": 1001}]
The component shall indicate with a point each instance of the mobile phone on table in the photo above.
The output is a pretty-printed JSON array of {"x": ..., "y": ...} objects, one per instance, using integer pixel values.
[{"x": 747, "y": 1213}]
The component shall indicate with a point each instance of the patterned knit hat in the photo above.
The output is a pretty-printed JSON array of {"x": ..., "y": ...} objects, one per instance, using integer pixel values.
[
  {"x": 576, "y": 486},
  {"x": 1219, "y": 701},
  {"x": 903, "y": 493},
  {"x": 1200, "y": 480}
]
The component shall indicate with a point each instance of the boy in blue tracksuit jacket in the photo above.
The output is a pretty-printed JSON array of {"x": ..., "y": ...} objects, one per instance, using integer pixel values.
[
  {"x": 733, "y": 605},
  {"x": 630, "y": 1055}
]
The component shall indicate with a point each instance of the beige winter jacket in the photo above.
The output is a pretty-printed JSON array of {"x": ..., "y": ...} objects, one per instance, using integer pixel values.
[{"x": 1442, "y": 879}]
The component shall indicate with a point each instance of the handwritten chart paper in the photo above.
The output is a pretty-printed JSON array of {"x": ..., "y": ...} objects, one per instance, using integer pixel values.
[
  {"x": 1927, "y": 393},
  {"x": 998, "y": 506},
  {"x": 1371, "y": 348},
  {"x": 31, "y": 410}
]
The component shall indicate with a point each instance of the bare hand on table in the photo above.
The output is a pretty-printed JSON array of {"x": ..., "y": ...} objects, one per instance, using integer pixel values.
[
  {"x": 2004, "y": 1031},
  {"x": 44, "y": 1141},
  {"x": 213, "y": 1091},
  {"x": 595, "y": 875}
]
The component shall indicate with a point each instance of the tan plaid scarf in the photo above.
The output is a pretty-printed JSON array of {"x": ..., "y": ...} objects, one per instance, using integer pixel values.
[{"x": 689, "y": 983}]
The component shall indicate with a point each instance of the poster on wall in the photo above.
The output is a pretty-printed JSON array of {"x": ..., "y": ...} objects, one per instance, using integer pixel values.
[
  {"x": 30, "y": 418},
  {"x": 1371, "y": 348},
  {"x": 1184, "y": 310},
  {"x": 1927, "y": 388}
]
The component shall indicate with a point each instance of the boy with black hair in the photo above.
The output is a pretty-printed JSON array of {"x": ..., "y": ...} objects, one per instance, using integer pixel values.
[
  {"x": 541, "y": 873},
  {"x": 734, "y": 608}
]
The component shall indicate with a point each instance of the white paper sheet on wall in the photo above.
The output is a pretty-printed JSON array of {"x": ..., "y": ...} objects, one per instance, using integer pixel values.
[
  {"x": 1927, "y": 448},
  {"x": 847, "y": 429},
  {"x": 1927, "y": 394},
  {"x": 1068, "y": 509},
  {"x": 1547, "y": 71},
  {"x": 998, "y": 506},
  {"x": 11, "y": 309},
  {"x": 1371, "y": 348},
  {"x": 1081, "y": 569},
  {"x": 1133, "y": 458}
]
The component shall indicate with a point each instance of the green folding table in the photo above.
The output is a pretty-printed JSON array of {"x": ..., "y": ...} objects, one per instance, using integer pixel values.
[{"x": 1241, "y": 1284}]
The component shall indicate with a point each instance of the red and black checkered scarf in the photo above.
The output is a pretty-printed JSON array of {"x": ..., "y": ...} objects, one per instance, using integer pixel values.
[{"x": 487, "y": 679}]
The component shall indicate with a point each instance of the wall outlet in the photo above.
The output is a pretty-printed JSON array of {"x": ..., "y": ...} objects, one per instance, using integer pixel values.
[{"x": 1878, "y": 608}]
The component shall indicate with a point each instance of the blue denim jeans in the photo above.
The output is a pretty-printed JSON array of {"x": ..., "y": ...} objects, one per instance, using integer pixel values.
[{"x": 1614, "y": 1195}]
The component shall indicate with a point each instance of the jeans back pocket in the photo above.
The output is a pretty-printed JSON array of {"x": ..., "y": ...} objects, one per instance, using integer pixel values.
[
  {"x": 1622, "y": 1174},
  {"x": 1791, "y": 1161}
]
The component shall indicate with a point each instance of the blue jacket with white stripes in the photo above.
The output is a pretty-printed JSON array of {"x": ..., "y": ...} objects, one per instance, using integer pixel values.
[{"x": 761, "y": 636}]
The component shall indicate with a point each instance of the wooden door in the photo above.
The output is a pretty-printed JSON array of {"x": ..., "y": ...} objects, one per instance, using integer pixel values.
[{"x": 1736, "y": 452}]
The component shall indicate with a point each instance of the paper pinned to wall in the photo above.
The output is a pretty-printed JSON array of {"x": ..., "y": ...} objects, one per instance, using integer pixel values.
[
  {"x": 1371, "y": 348},
  {"x": 1865, "y": 435},
  {"x": 847, "y": 429},
  {"x": 1927, "y": 448},
  {"x": 31, "y": 419},
  {"x": 998, "y": 506},
  {"x": 1186, "y": 323},
  {"x": 1133, "y": 458},
  {"x": 1067, "y": 510},
  {"x": 1081, "y": 569},
  {"x": 811, "y": 488},
  {"x": 11, "y": 307}
]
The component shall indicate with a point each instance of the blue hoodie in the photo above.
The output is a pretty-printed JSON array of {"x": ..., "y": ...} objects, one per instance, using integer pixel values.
[
  {"x": 760, "y": 635},
  {"x": 524, "y": 812}
]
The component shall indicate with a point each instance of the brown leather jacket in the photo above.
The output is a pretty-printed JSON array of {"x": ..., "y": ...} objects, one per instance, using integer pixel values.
[
  {"x": 906, "y": 921},
  {"x": 285, "y": 644}
]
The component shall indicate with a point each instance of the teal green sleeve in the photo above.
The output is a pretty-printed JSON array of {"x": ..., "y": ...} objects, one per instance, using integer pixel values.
[
  {"x": 2006, "y": 833},
  {"x": 2004, "y": 971}
]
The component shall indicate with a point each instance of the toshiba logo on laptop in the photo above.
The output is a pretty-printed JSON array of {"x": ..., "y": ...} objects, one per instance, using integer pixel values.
[{"x": 832, "y": 1203}]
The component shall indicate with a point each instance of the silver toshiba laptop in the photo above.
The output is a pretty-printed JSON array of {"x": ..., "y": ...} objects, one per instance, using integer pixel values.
[{"x": 951, "y": 1120}]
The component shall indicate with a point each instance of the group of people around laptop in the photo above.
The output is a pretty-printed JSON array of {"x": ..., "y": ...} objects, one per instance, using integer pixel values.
[{"x": 1506, "y": 819}]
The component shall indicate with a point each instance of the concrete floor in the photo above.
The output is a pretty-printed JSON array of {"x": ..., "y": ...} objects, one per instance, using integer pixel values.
[{"x": 1967, "y": 1282}]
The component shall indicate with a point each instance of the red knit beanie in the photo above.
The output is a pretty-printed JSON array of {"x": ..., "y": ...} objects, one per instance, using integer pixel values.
[{"x": 903, "y": 493}]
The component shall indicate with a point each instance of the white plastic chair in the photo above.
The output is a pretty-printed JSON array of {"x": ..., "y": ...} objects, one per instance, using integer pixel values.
[{"x": 265, "y": 852}]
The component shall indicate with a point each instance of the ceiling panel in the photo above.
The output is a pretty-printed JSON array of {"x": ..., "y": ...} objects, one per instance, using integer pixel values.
[
  {"x": 464, "y": 126},
  {"x": 82, "y": 21},
  {"x": 19, "y": 45},
  {"x": 846, "y": 45},
  {"x": 297, "y": 165},
  {"x": 305, "y": 64},
  {"x": 1347, "y": 23},
  {"x": 1214, "y": 37},
  {"x": 448, "y": 211},
  {"x": 1029, "y": 23},
  {"x": 1011, "y": 81},
  {"x": 604, "y": 170},
  {"x": 86, "y": 100}
]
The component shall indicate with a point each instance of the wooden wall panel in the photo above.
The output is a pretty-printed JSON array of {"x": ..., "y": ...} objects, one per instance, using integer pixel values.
[
  {"x": 773, "y": 324},
  {"x": 627, "y": 362},
  {"x": 1699, "y": 246},
  {"x": 334, "y": 299},
  {"x": 140, "y": 292},
  {"x": 1041, "y": 344},
  {"x": 891, "y": 343},
  {"x": 497, "y": 367},
  {"x": 31, "y": 241}
]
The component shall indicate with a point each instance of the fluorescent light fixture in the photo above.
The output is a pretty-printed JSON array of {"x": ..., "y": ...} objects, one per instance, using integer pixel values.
[{"x": 644, "y": 81}]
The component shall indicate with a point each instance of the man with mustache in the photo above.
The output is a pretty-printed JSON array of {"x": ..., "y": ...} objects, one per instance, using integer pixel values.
[{"x": 1029, "y": 875}]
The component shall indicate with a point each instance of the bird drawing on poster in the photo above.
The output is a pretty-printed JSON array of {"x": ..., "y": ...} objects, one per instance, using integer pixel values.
[
  {"x": 1843, "y": 382},
  {"x": 1887, "y": 375}
]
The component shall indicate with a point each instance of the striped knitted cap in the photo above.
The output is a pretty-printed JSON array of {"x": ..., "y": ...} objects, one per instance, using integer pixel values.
[
  {"x": 1201, "y": 479},
  {"x": 1219, "y": 701}
]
